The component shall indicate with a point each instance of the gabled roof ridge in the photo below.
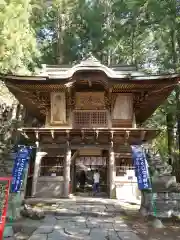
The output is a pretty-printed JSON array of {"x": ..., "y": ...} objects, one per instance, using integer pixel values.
[{"x": 90, "y": 63}]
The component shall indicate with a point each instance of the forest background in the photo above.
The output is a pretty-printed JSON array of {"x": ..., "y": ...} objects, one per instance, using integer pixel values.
[{"x": 145, "y": 33}]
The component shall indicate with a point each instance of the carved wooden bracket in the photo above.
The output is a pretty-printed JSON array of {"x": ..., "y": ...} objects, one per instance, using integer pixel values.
[
  {"x": 41, "y": 101},
  {"x": 70, "y": 101},
  {"x": 44, "y": 100},
  {"x": 138, "y": 98}
]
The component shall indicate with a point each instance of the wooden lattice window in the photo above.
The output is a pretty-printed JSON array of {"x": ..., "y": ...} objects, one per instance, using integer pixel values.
[
  {"x": 52, "y": 166},
  {"x": 90, "y": 119}
]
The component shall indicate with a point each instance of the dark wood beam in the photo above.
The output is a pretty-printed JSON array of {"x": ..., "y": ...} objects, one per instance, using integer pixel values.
[{"x": 74, "y": 146}]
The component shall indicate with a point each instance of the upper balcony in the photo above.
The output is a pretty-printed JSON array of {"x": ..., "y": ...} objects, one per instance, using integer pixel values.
[
  {"x": 90, "y": 119},
  {"x": 91, "y": 111}
]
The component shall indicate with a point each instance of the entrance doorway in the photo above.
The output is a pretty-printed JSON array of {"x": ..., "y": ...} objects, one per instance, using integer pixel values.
[{"x": 83, "y": 169}]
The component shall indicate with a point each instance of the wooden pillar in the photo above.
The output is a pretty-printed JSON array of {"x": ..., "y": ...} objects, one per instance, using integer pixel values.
[
  {"x": 67, "y": 165},
  {"x": 21, "y": 113},
  {"x": 111, "y": 172},
  {"x": 73, "y": 171},
  {"x": 134, "y": 121},
  {"x": 14, "y": 111},
  {"x": 39, "y": 156}
]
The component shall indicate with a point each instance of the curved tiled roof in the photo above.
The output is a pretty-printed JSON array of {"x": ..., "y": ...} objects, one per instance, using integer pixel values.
[
  {"x": 89, "y": 64},
  {"x": 153, "y": 89}
]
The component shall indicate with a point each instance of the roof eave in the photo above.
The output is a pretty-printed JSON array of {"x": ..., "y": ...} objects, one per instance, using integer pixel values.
[{"x": 66, "y": 77}]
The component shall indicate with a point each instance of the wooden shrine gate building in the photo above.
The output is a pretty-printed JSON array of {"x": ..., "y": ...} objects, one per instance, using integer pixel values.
[{"x": 86, "y": 117}]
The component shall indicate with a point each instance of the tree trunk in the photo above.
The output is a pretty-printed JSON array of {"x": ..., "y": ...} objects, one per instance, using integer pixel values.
[
  {"x": 170, "y": 136},
  {"x": 177, "y": 91},
  {"x": 60, "y": 31},
  {"x": 178, "y": 122},
  {"x": 133, "y": 37}
]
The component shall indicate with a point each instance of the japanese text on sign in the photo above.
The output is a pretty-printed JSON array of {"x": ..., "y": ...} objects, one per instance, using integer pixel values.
[
  {"x": 141, "y": 167},
  {"x": 21, "y": 160}
]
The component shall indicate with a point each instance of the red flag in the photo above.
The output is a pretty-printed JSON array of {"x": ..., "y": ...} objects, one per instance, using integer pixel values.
[{"x": 5, "y": 205}]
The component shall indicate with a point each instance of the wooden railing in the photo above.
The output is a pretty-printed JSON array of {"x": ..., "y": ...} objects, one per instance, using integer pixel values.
[
  {"x": 90, "y": 119},
  {"x": 121, "y": 123}
]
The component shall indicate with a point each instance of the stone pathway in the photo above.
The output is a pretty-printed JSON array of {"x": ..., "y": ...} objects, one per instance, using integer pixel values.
[{"x": 75, "y": 219}]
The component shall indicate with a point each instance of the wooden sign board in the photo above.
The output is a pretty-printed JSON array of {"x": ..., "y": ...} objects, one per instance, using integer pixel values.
[
  {"x": 58, "y": 108},
  {"x": 123, "y": 108},
  {"x": 90, "y": 100},
  {"x": 93, "y": 161}
]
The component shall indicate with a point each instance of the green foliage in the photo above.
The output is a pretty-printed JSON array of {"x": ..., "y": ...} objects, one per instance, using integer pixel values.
[
  {"x": 113, "y": 31},
  {"x": 18, "y": 48}
]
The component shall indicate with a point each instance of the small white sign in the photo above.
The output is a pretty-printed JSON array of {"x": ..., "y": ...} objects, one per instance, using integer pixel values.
[{"x": 130, "y": 177}]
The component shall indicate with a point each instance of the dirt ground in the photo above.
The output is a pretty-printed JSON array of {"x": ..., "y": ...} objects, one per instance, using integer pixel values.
[{"x": 143, "y": 226}]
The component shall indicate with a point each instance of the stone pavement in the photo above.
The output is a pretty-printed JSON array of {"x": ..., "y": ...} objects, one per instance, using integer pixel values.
[{"x": 75, "y": 219}]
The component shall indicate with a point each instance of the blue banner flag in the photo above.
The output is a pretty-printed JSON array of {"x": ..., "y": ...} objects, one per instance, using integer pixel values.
[
  {"x": 141, "y": 167},
  {"x": 21, "y": 159}
]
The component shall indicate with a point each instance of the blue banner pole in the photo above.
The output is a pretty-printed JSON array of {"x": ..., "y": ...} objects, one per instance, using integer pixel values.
[
  {"x": 142, "y": 173},
  {"x": 141, "y": 168},
  {"x": 21, "y": 160}
]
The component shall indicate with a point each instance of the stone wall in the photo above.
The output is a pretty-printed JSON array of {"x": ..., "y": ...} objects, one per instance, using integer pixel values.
[
  {"x": 163, "y": 204},
  {"x": 49, "y": 187},
  {"x": 164, "y": 200}
]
